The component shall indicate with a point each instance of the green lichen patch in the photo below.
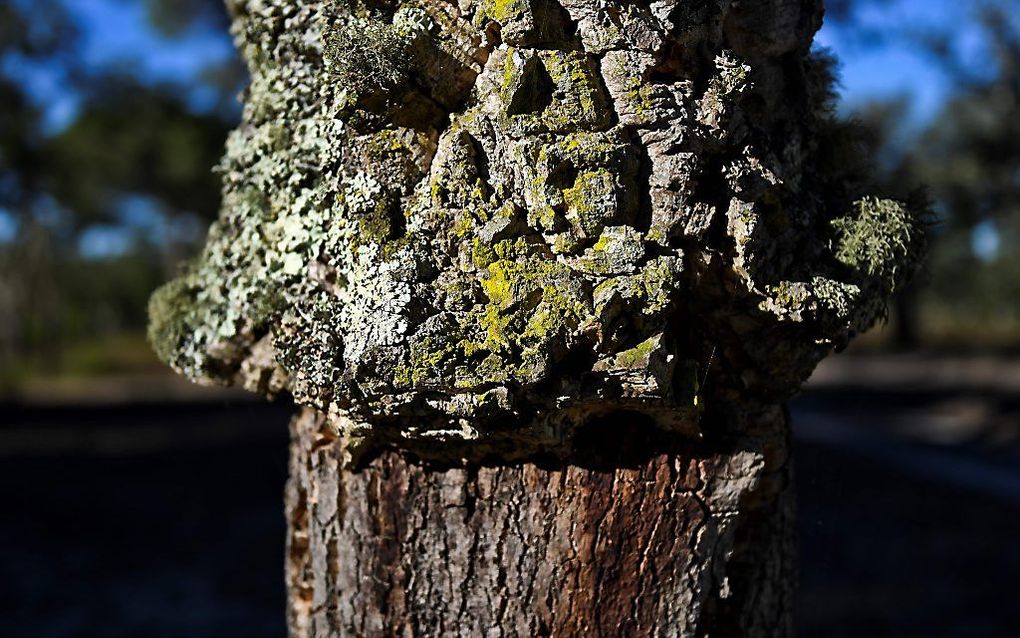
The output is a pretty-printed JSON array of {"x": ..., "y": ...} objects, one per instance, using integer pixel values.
[
  {"x": 552, "y": 91},
  {"x": 503, "y": 11},
  {"x": 618, "y": 250},
  {"x": 432, "y": 356},
  {"x": 828, "y": 302},
  {"x": 636, "y": 306},
  {"x": 577, "y": 186},
  {"x": 534, "y": 309},
  {"x": 592, "y": 201},
  {"x": 719, "y": 102},
  {"x": 525, "y": 22},
  {"x": 171, "y": 319}
]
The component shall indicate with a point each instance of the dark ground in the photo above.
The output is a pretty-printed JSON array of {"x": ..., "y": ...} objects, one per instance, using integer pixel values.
[{"x": 165, "y": 521}]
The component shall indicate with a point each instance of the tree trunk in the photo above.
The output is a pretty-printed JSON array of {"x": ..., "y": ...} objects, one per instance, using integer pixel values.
[
  {"x": 541, "y": 274},
  {"x": 662, "y": 538},
  {"x": 907, "y": 319}
]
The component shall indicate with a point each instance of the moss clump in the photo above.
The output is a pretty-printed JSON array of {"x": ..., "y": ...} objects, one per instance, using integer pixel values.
[
  {"x": 502, "y": 11},
  {"x": 579, "y": 185},
  {"x": 170, "y": 309},
  {"x": 883, "y": 240},
  {"x": 367, "y": 55},
  {"x": 592, "y": 200}
]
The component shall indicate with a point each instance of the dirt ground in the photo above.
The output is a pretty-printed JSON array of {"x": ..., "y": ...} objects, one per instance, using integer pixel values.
[{"x": 909, "y": 514}]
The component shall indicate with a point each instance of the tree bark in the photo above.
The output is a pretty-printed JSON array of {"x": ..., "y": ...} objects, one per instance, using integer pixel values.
[
  {"x": 541, "y": 274},
  {"x": 661, "y": 538}
]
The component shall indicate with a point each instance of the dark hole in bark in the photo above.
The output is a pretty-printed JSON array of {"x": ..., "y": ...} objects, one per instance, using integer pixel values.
[
  {"x": 711, "y": 186},
  {"x": 555, "y": 22},
  {"x": 397, "y": 220},
  {"x": 535, "y": 92},
  {"x": 416, "y": 110},
  {"x": 643, "y": 216},
  {"x": 386, "y": 7},
  {"x": 712, "y": 189},
  {"x": 480, "y": 157},
  {"x": 563, "y": 175},
  {"x": 623, "y": 438}
]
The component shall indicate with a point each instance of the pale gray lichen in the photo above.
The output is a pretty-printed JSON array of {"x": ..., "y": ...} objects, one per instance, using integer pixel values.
[
  {"x": 483, "y": 222},
  {"x": 883, "y": 241},
  {"x": 365, "y": 54}
]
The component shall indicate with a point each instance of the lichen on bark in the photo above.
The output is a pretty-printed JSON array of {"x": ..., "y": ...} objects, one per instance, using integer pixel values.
[
  {"x": 459, "y": 225},
  {"x": 540, "y": 274}
]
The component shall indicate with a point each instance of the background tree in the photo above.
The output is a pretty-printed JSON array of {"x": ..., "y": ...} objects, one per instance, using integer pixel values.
[
  {"x": 970, "y": 156},
  {"x": 131, "y": 163},
  {"x": 966, "y": 154}
]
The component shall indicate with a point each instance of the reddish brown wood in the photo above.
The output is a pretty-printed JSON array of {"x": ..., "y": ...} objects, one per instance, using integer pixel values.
[{"x": 658, "y": 539}]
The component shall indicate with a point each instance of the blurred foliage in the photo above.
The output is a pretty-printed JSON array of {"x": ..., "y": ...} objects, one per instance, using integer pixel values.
[
  {"x": 968, "y": 157},
  {"x": 133, "y": 163},
  {"x": 175, "y": 17},
  {"x": 138, "y": 140}
]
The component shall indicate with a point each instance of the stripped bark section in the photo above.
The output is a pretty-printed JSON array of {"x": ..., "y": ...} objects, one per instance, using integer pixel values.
[{"x": 657, "y": 540}]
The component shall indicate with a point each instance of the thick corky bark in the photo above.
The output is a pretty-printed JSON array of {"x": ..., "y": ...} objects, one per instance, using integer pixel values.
[
  {"x": 540, "y": 274},
  {"x": 664, "y": 538}
]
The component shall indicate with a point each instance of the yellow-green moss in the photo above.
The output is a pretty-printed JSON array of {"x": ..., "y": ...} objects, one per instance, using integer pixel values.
[
  {"x": 502, "y": 11},
  {"x": 170, "y": 308},
  {"x": 638, "y": 355},
  {"x": 587, "y": 197}
]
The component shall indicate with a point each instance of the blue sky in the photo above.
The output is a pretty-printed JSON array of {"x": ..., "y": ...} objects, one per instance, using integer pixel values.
[
  {"x": 893, "y": 64},
  {"x": 118, "y": 30},
  {"x": 116, "y": 33}
]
